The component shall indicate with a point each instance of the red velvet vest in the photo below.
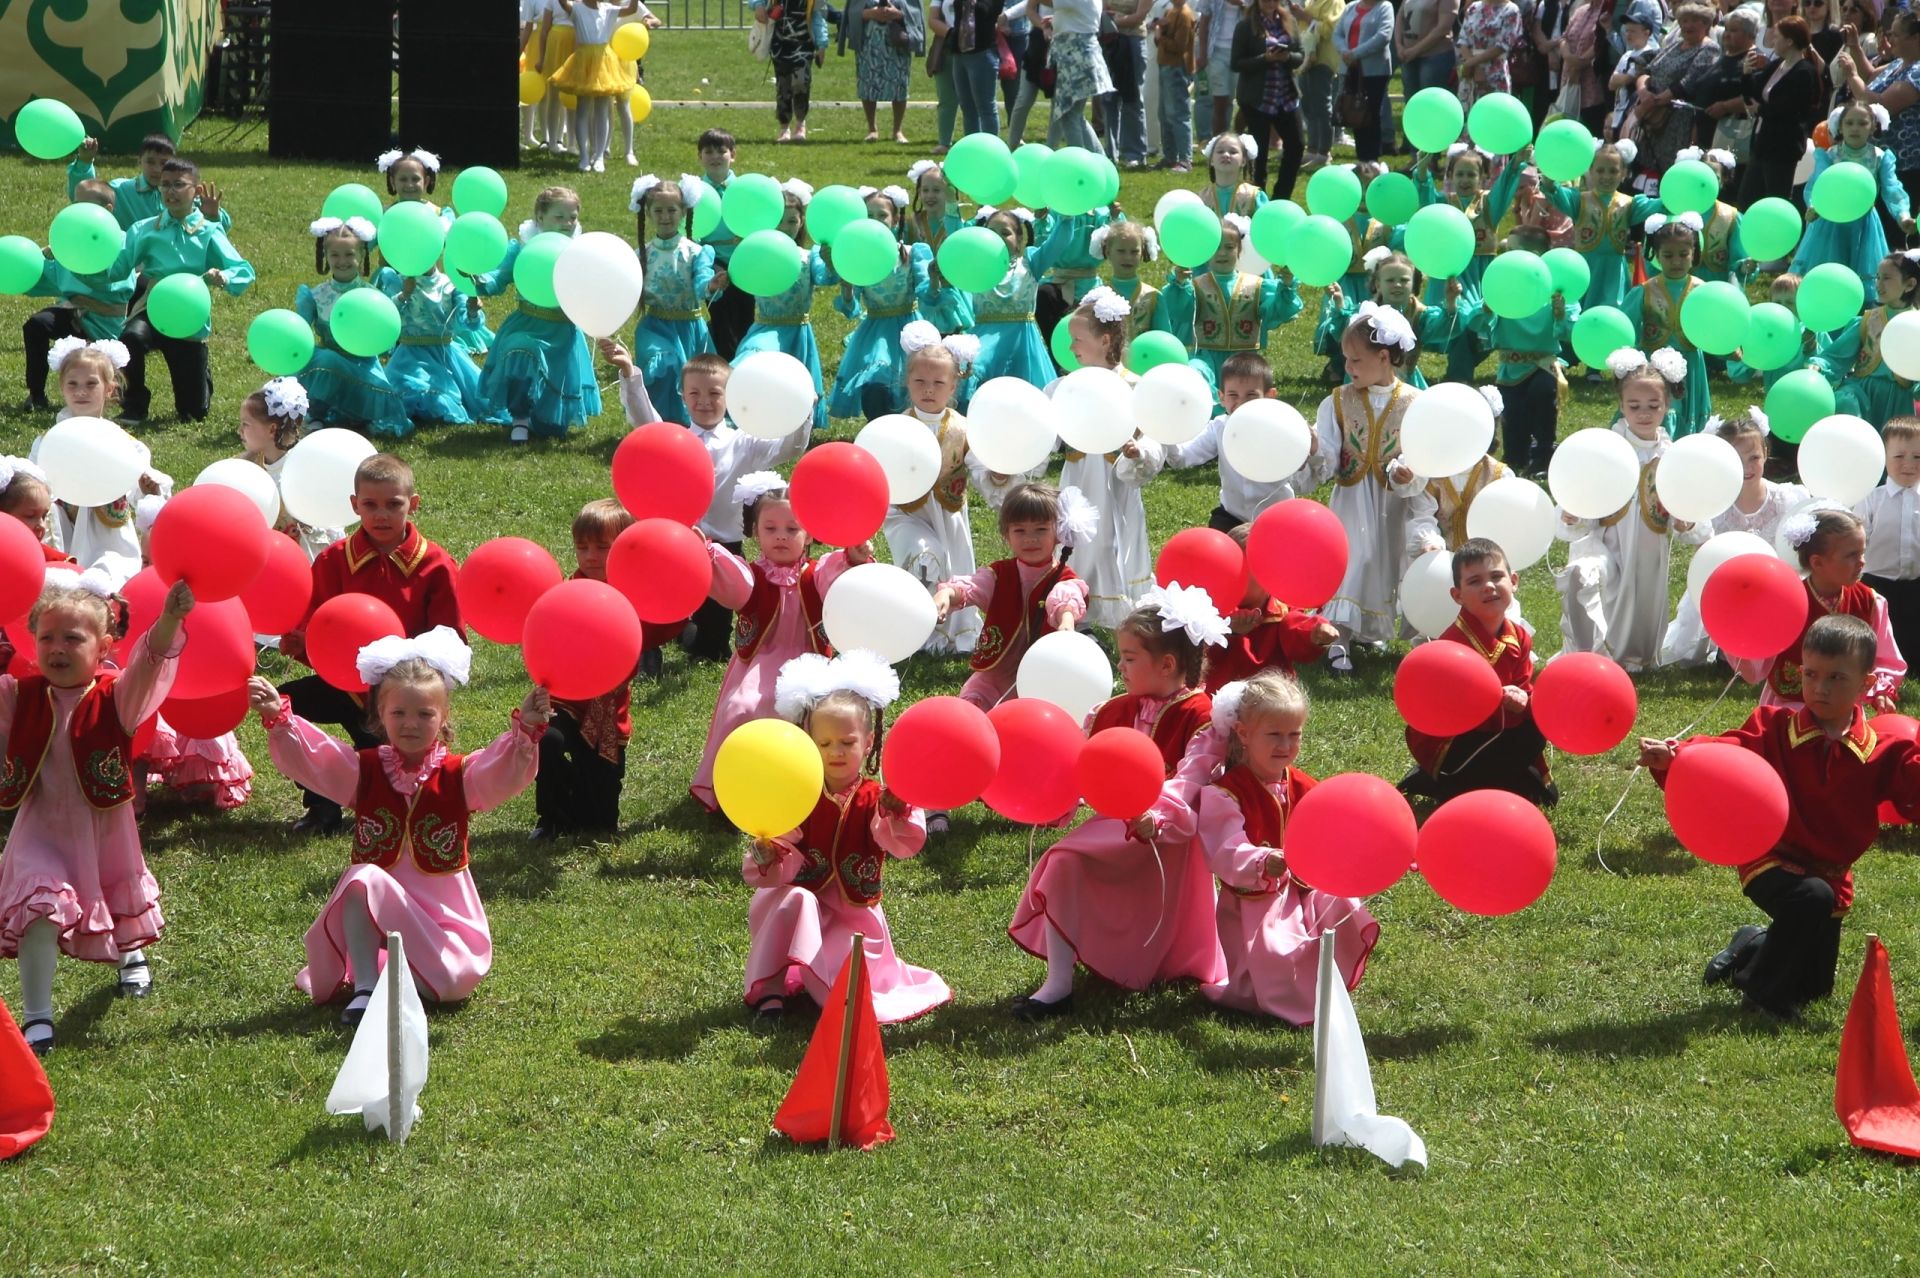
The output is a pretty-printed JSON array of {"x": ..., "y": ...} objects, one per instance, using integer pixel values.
[
  {"x": 1180, "y": 721},
  {"x": 757, "y": 615},
  {"x": 433, "y": 826},
  {"x": 1014, "y": 622},
  {"x": 102, "y": 749},
  {"x": 838, "y": 845},
  {"x": 1265, "y": 819},
  {"x": 1855, "y": 601}
]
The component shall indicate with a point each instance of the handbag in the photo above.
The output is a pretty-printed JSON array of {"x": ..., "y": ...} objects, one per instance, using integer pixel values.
[
  {"x": 1009, "y": 69},
  {"x": 936, "y": 56},
  {"x": 1351, "y": 108},
  {"x": 760, "y": 40}
]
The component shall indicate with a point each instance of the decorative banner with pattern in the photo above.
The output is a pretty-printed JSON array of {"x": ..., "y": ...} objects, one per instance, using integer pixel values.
[{"x": 128, "y": 67}]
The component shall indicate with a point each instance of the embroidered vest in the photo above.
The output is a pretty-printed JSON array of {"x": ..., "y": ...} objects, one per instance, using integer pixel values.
[
  {"x": 1647, "y": 501},
  {"x": 1368, "y": 443},
  {"x": 1716, "y": 238},
  {"x": 1868, "y": 362},
  {"x": 432, "y": 825},
  {"x": 1265, "y": 817},
  {"x": 1145, "y": 303},
  {"x": 102, "y": 749},
  {"x": 757, "y": 615},
  {"x": 1226, "y": 321},
  {"x": 1012, "y": 622},
  {"x": 1451, "y": 502},
  {"x": 1595, "y": 226},
  {"x": 950, "y": 490},
  {"x": 1485, "y": 241},
  {"x": 1184, "y": 717},
  {"x": 837, "y": 846},
  {"x": 1245, "y": 200},
  {"x": 1660, "y": 315},
  {"x": 1856, "y": 600}
]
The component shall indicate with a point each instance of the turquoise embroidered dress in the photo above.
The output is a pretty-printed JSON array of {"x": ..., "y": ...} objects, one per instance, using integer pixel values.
[
  {"x": 952, "y": 310},
  {"x": 1863, "y": 385},
  {"x": 1366, "y": 235},
  {"x": 1434, "y": 326},
  {"x": 540, "y": 369},
  {"x": 346, "y": 390},
  {"x": 1603, "y": 234},
  {"x": 1010, "y": 344},
  {"x": 1485, "y": 211},
  {"x": 1654, "y": 308},
  {"x": 435, "y": 377},
  {"x": 784, "y": 322},
  {"x": 1859, "y": 244},
  {"x": 679, "y": 274},
  {"x": 872, "y": 378},
  {"x": 1218, "y": 316},
  {"x": 1063, "y": 255}
]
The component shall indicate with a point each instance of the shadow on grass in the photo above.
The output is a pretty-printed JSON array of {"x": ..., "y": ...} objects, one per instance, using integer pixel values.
[
  {"x": 75, "y": 1025},
  {"x": 330, "y": 1135},
  {"x": 1666, "y": 1035},
  {"x": 1654, "y": 857},
  {"x": 709, "y": 847},
  {"x": 508, "y": 865},
  {"x": 293, "y": 1018},
  {"x": 648, "y": 1038}
]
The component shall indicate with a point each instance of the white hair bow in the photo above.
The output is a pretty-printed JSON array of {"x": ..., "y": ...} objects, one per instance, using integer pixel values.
[
  {"x": 1249, "y": 148},
  {"x": 918, "y": 169},
  {"x": 1670, "y": 364},
  {"x": 441, "y": 647},
  {"x": 917, "y": 336},
  {"x": 1188, "y": 608},
  {"x": 807, "y": 680},
  {"x": 146, "y": 511},
  {"x": 1375, "y": 255},
  {"x": 1108, "y": 306},
  {"x": 1226, "y": 705},
  {"x": 286, "y": 397},
  {"x": 113, "y": 349},
  {"x": 1079, "y": 521},
  {"x": 1238, "y": 224},
  {"x": 1390, "y": 327},
  {"x": 1798, "y": 529},
  {"x": 10, "y": 467},
  {"x": 799, "y": 190},
  {"x": 897, "y": 195},
  {"x": 1625, "y": 362},
  {"x": 426, "y": 159},
  {"x": 752, "y": 487},
  {"x": 641, "y": 186}
]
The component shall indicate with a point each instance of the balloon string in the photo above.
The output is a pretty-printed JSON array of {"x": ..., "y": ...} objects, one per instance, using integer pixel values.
[
  {"x": 1033, "y": 832},
  {"x": 1601, "y": 835},
  {"x": 1160, "y": 865},
  {"x": 1455, "y": 771}
]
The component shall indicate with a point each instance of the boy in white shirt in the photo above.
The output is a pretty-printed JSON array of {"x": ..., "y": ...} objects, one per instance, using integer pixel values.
[
  {"x": 1243, "y": 378},
  {"x": 1891, "y": 513}
]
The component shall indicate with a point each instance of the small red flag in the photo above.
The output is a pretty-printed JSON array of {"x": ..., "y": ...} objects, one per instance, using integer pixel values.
[
  {"x": 1873, "y": 1091},
  {"x": 26, "y": 1098},
  {"x": 806, "y": 1116}
]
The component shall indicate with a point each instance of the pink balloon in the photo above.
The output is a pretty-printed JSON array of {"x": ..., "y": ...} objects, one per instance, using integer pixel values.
[
  {"x": 1120, "y": 772},
  {"x": 1209, "y": 559},
  {"x": 1754, "y": 606},
  {"x": 1039, "y": 746},
  {"x": 213, "y": 538},
  {"x": 499, "y": 583},
  {"x": 941, "y": 753},
  {"x": 839, "y": 494},
  {"x": 1584, "y": 702},
  {"x": 581, "y": 639}
]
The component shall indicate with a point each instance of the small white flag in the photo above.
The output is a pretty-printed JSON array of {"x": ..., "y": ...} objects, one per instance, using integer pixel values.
[
  {"x": 386, "y": 1066},
  {"x": 1343, "y": 1104}
]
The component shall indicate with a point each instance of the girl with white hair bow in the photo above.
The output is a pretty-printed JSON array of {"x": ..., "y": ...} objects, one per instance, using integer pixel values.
[
  {"x": 345, "y": 389},
  {"x": 1723, "y": 256},
  {"x": 1850, "y": 359},
  {"x": 872, "y": 381},
  {"x": 784, "y": 321},
  {"x": 932, "y": 536},
  {"x": 1604, "y": 217},
  {"x": 1860, "y": 244}
]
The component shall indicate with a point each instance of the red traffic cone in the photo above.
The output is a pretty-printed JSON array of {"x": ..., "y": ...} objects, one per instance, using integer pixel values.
[
  {"x": 840, "y": 1094},
  {"x": 1873, "y": 1090},
  {"x": 26, "y": 1099}
]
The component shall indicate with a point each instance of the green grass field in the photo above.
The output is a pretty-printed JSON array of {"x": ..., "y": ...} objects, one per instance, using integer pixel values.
[{"x": 601, "y": 1105}]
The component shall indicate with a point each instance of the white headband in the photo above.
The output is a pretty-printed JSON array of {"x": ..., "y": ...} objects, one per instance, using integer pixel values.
[
  {"x": 113, "y": 349},
  {"x": 1079, "y": 521},
  {"x": 360, "y": 228},
  {"x": 1658, "y": 222},
  {"x": 1390, "y": 327},
  {"x": 1188, "y": 608},
  {"x": 1097, "y": 242},
  {"x": 920, "y": 334},
  {"x": 441, "y": 647},
  {"x": 987, "y": 212},
  {"x": 1879, "y": 113},
  {"x": 12, "y": 467},
  {"x": 799, "y": 190},
  {"x": 751, "y": 488},
  {"x": 286, "y": 397},
  {"x": 1248, "y": 147},
  {"x": 426, "y": 159},
  {"x": 809, "y": 678},
  {"x": 1108, "y": 306}
]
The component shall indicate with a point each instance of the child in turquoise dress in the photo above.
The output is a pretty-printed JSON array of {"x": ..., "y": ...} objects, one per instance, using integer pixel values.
[
  {"x": 1395, "y": 282},
  {"x": 539, "y": 374},
  {"x": 1068, "y": 267},
  {"x": 872, "y": 377},
  {"x": 1604, "y": 218},
  {"x": 436, "y": 378},
  {"x": 1225, "y": 311},
  {"x": 1466, "y": 168},
  {"x": 679, "y": 278},
  {"x": 1010, "y": 344},
  {"x": 1228, "y": 155},
  {"x": 784, "y": 321},
  {"x": 1783, "y": 291},
  {"x": 1654, "y": 309},
  {"x": 1861, "y": 243},
  {"x": 413, "y": 175},
  {"x": 1123, "y": 246},
  {"x": 343, "y": 389},
  {"x": 930, "y": 218},
  {"x": 1863, "y": 385},
  {"x": 1722, "y": 255},
  {"x": 1367, "y": 235}
]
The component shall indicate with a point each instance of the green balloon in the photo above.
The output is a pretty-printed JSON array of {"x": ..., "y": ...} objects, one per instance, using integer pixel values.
[
  {"x": 1318, "y": 251},
  {"x": 533, "y": 269},
  {"x": 1773, "y": 337},
  {"x": 1190, "y": 234},
  {"x": 706, "y": 209},
  {"x": 180, "y": 306},
  {"x": 85, "y": 238},
  {"x": 1334, "y": 192},
  {"x": 1770, "y": 229},
  {"x": 1030, "y": 170},
  {"x": 865, "y": 252},
  {"x": 351, "y": 199},
  {"x": 1273, "y": 223},
  {"x": 280, "y": 342},
  {"x": 1830, "y": 296},
  {"x": 480, "y": 190},
  {"x": 1714, "y": 317},
  {"x": 974, "y": 259},
  {"x": 831, "y": 208},
  {"x": 1796, "y": 402},
  {"x": 21, "y": 264},
  {"x": 1392, "y": 198},
  {"x": 1061, "y": 344},
  {"x": 1151, "y": 349},
  {"x": 1109, "y": 180},
  {"x": 753, "y": 202},
  {"x": 766, "y": 264},
  {"x": 48, "y": 130},
  {"x": 1570, "y": 272},
  {"x": 1499, "y": 124},
  {"x": 365, "y": 322},
  {"x": 982, "y": 167},
  {"x": 1599, "y": 332},
  {"x": 1517, "y": 285},
  {"x": 1564, "y": 150},
  {"x": 1689, "y": 186},
  {"x": 412, "y": 237},
  {"x": 1433, "y": 119},
  {"x": 1844, "y": 193},
  {"x": 1074, "y": 181},
  {"x": 476, "y": 242},
  {"x": 1439, "y": 239}
]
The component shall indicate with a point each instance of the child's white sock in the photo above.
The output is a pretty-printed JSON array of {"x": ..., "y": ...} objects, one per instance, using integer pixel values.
[
  {"x": 133, "y": 969},
  {"x": 626, "y": 127},
  {"x": 528, "y": 114},
  {"x": 1059, "y": 982},
  {"x": 580, "y": 134},
  {"x": 363, "y": 938},
  {"x": 39, "y": 952}
]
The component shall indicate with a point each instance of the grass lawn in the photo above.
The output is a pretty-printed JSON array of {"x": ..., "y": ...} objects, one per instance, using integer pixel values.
[{"x": 600, "y": 1105}]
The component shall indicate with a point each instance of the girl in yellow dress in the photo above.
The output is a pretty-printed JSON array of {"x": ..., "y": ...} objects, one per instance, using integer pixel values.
[{"x": 594, "y": 76}]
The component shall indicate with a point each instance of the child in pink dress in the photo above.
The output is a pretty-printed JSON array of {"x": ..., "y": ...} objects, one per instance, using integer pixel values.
[
  {"x": 1269, "y": 921},
  {"x": 819, "y": 885},
  {"x": 777, "y": 600},
  {"x": 1133, "y": 902},
  {"x": 72, "y": 877},
  {"x": 413, "y": 800}
]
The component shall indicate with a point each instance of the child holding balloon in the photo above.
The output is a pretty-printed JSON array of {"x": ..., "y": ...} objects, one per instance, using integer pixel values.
[
  {"x": 1227, "y": 156},
  {"x": 89, "y": 376},
  {"x": 1265, "y": 634},
  {"x": 1393, "y": 281},
  {"x": 1655, "y": 310},
  {"x": 1604, "y": 219},
  {"x": 1465, "y": 168},
  {"x": 784, "y": 321},
  {"x": 344, "y": 389},
  {"x": 1222, "y": 311},
  {"x": 931, "y": 536},
  {"x": 930, "y": 219},
  {"x": 1783, "y": 291},
  {"x": 1010, "y": 342},
  {"x": 1864, "y": 385},
  {"x": 431, "y": 369},
  {"x": 872, "y": 378},
  {"x": 1123, "y": 246},
  {"x": 1861, "y": 243},
  {"x": 272, "y": 420},
  {"x": 539, "y": 374},
  {"x": 1127, "y": 894},
  {"x": 1244, "y": 378},
  {"x": 679, "y": 276},
  {"x": 24, "y": 496},
  {"x": 1722, "y": 254},
  {"x": 92, "y": 307},
  {"x": 1068, "y": 266},
  {"x": 1529, "y": 373}
]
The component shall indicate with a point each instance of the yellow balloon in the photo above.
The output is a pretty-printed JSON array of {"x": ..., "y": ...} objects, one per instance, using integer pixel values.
[
  {"x": 630, "y": 42},
  {"x": 533, "y": 87},
  {"x": 568, "y": 101},
  {"x": 640, "y": 105},
  {"x": 767, "y": 777}
]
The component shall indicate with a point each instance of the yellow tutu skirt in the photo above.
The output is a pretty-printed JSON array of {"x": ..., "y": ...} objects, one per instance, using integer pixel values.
[
  {"x": 559, "y": 47},
  {"x": 593, "y": 72}
]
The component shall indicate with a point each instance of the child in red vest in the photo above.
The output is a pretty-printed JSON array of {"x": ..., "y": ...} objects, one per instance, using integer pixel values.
[
  {"x": 1265, "y": 634},
  {"x": 820, "y": 884},
  {"x": 1267, "y": 920},
  {"x": 1837, "y": 772},
  {"x": 776, "y": 601},
  {"x": 72, "y": 877},
  {"x": 1134, "y": 902},
  {"x": 1833, "y": 550},
  {"x": 413, "y": 799}
]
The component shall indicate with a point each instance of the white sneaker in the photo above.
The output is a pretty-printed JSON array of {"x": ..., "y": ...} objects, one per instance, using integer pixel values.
[
  {"x": 518, "y": 435},
  {"x": 631, "y": 162},
  {"x": 600, "y": 166}
]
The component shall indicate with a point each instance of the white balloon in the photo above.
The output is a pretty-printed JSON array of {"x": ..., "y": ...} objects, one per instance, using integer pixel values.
[
  {"x": 90, "y": 461},
  {"x": 1009, "y": 425},
  {"x": 1900, "y": 344},
  {"x": 1266, "y": 440},
  {"x": 1251, "y": 263},
  {"x": 1093, "y": 410},
  {"x": 770, "y": 395},
  {"x": 1426, "y": 598},
  {"x": 1699, "y": 476},
  {"x": 248, "y": 478},
  {"x": 1517, "y": 515},
  {"x": 1447, "y": 428},
  {"x": 1594, "y": 473},
  {"x": 878, "y": 607},
  {"x": 1068, "y": 669},
  {"x": 907, "y": 451},
  {"x": 1172, "y": 403},
  {"x": 1172, "y": 200},
  {"x": 1842, "y": 457},
  {"x": 316, "y": 484},
  {"x": 1718, "y": 549},
  {"x": 597, "y": 278},
  {"x": 1786, "y": 549}
]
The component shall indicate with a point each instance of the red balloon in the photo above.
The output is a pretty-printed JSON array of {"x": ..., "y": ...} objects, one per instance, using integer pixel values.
[
  {"x": 1209, "y": 559},
  {"x": 207, "y": 717},
  {"x": 500, "y": 581},
  {"x": 1894, "y": 727},
  {"x": 1584, "y": 702},
  {"x": 581, "y": 639},
  {"x": 1120, "y": 772},
  {"x": 1444, "y": 689},
  {"x": 661, "y": 470},
  {"x": 340, "y": 628},
  {"x": 1488, "y": 852},
  {"x": 662, "y": 568},
  {"x": 276, "y": 600},
  {"x": 1726, "y": 805},
  {"x": 23, "y": 568},
  {"x": 839, "y": 494},
  {"x": 1351, "y": 835},
  {"x": 1039, "y": 745},
  {"x": 219, "y": 653},
  {"x": 213, "y": 538},
  {"x": 941, "y": 753},
  {"x": 1754, "y": 609},
  {"x": 1297, "y": 550}
]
